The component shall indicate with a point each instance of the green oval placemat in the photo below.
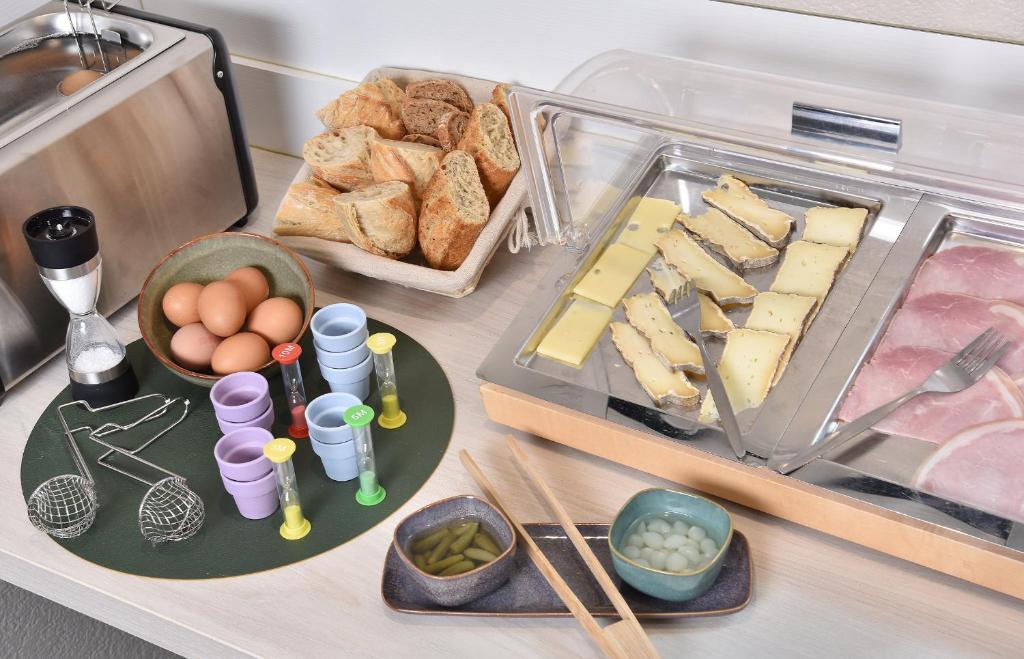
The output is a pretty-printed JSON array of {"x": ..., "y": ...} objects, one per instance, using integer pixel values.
[{"x": 229, "y": 544}]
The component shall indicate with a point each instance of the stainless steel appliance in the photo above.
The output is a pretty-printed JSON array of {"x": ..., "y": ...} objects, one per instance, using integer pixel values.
[{"x": 154, "y": 147}]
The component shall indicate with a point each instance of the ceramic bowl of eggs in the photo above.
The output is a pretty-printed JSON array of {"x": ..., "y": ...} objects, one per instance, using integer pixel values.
[
  {"x": 218, "y": 305},
  {"x": 670, "y": 545}
]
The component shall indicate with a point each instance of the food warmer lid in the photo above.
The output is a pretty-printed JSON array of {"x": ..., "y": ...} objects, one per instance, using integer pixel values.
[{"x": 583, "y": 143}]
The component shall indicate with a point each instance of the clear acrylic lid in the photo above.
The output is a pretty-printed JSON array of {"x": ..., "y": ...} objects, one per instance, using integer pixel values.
[{"x": 582, "y": 145}]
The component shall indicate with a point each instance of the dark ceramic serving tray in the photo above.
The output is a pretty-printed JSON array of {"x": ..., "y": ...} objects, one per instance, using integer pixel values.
[{"x": 527, "y": 594}]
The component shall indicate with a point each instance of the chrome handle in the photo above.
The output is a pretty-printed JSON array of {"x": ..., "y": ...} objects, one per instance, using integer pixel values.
[{"x": 843, "y": 126}]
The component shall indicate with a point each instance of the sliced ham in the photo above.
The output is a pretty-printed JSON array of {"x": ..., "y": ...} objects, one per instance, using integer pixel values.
[
  {"x": 931, "y": 417},
  {"x": 981, "y": 467},
  {"x": 949, "y": 321},
  {"x": 989, "y": 272}
]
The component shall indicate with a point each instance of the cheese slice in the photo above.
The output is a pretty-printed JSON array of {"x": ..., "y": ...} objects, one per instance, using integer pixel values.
[
  {"x": 612, "y": 275},
  {"x": 748, "y": 367},
  {"x": 648, "y": 314},
  {"x": 690, "y": 259},
  {"x": 713, "y": 320},
  {"x": 575, "y": 334},
  {"x": 735, "y": 199},
  {"x": 728, "y": 238},
  {"x": 651, "y": 218},
  {"x": 835, "y": 226},
  {"x": 809, "y": 269},
  {"x": 669, "y": 283},
  {"x": 665, "y": 386},
  {"x": 782, "y": 313}
]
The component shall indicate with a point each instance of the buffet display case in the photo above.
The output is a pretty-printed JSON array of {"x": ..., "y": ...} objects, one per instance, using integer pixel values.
[{"x": 930, "y": 179}]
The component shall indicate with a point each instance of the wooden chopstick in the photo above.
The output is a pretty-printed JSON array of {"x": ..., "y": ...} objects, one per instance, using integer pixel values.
[
  {"x": 607, "y": 585},
  {"x": 561, "y": 588}
]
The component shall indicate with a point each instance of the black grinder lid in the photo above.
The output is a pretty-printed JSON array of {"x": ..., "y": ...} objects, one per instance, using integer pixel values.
[{"x": 62, "y": 237}]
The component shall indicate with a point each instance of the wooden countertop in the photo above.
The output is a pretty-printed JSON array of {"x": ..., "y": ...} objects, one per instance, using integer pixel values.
[{"x": 814, "y": 595}]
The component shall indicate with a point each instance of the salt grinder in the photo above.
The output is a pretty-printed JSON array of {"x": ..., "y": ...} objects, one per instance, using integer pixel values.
[{"x": 66, "y": 249}]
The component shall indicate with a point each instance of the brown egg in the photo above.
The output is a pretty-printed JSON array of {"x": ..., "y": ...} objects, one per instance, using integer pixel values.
[
  {"x": 222, "y": 308},
  {"x": 181, "y": 303},
  {"x": 193, "y": 345},
  {"x": 278, "y": 320},
  {"x": 244, "y": 351},
  {"x": 253, "y": 284}
]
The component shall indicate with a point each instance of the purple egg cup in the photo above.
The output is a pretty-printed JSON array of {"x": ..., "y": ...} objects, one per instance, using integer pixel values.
[
  {"x": 240, "y": 397},
  {"x": 239, "y": 454},
  {"x": 264, "y": 420},
  {"x": 255, "y": 499}
]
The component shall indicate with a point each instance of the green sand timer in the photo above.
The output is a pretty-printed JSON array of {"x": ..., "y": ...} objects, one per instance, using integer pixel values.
[{"x": 359, "y": 418}]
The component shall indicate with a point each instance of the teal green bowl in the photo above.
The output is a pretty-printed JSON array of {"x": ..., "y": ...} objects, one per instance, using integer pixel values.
[{"x": 659, "y": 583}]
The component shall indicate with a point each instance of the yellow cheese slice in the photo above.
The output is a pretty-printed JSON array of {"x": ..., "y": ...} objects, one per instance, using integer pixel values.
[
  {"x": 690, "y": 259},
  {"x": 728, "y": 238},
  {"x": 575, "y": 334},
  {"x": 648, "y": 314},
  {"x": 748, "y": 367},
  {"x": 735, "y": 199},
  {"x": 782, "y": 313},
  {"x": 669, "y": 283},
  {"x": 835, "y": 226},
  {"x": 651, "y": 218},
  {"x": 612, "y": 275},
  {"x": 665, "y": 386},
  {"x": 809, "y": 269},
  {"x": 712, "y": 319}
]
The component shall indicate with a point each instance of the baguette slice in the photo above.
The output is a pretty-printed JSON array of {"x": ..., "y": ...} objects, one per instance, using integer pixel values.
[
  {"x": 375, "y": 104},
  {"x": 647, "y": 313},
  {"x": 731, "y": 240},
  {"x": 409, "y": 162},
  {"x": 308, "y": 210},
  {"x": 341, "y": 157},
  {"x": 664, "y": 386},
  {"x": 489, "y": 140},
  {"x": 448, "y": 91},
  {"x": 450, "y": 129},
  {"x": 454, "y": 212},
  {"x": 418, "y": 138},
  {"x": 735, "y": 199},
  {"x": 809, "y": 269},
  {"x": 835, "y": 226},
  {"x": 574, "y": 335},
  {"x": 748, "y": 367},
  {"x": 684, "y": 254},
  {"x": 782, "y": 313},
  {"x": 380, "y": 218},
  {"x": 422, "y": 115},
  {"x": 499, "y": 97}
]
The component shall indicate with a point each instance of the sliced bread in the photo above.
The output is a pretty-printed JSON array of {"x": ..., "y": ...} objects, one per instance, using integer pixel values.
[
  {"x": 489, "y": 140},
  {"x": 454, "y": 212},
  {"x": 341, "y": 157},
  {"x": 450, "y": 128},
  {"x": 499, "y": 96},
  {"x": 308, "y": 210},
  {"x": 380, "y": 218},
  {"x": 448, "y": 91},
  {"x": 376, "y": 104},
  {"x": 417, "y": 138},
  {"x": 409, "y": 162},
  {"x": 421, "y": 115}
]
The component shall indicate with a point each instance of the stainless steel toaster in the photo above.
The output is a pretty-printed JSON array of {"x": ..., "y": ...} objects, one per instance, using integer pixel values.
[{"x": 154, "y": 147}]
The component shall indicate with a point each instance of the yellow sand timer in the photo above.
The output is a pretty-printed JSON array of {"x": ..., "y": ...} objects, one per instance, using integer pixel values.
[
  {"x": 391, "y": 414},
  {"x": 279, "y": 451}
]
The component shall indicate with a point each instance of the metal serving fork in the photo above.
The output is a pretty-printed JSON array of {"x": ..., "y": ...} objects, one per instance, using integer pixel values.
[
  {"x": 963, "y": 370},
  {"x": 687, "y": 314}
]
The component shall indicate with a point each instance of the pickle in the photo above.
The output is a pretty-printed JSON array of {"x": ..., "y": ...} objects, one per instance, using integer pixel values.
[
  {"x": 434, "y": 568},
  {"x": 458, "y": 568},
  {"x": 459, "y": 528},
  {"x": 481, "y": 555},
  {"x": 420, "y": 560},
  {"x": 430, "y": 541},
  {"x": 438, "y": 552},
  {"x": 461, "y": 542},
  {"x": 483, "y": 541}
]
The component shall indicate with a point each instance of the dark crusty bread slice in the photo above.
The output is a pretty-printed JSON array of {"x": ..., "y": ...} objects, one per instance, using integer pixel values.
[
  {"x": 448, "y": 91},
  {"x": 341, "y": 157},
  {"x": 450, "y": 129},
  {"x": 454, "y": 212},
  {"x": 417, "y": 138},
  {"x": 421, "y": 115},
  {"x": 489, "y": 140}
]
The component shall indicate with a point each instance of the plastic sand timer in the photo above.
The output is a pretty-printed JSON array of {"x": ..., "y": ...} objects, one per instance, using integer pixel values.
[
  {"x": 287, "y": 355},
  {"x": 359, "y": 419},
  {"x": 391, "y": 414},
  {"x": 279, "y": 451}
]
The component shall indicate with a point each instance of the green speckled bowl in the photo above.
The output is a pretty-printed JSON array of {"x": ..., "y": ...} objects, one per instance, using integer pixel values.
[
  {"x": 659, "y": 583},
  {"x": 207, "y": 259}
]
